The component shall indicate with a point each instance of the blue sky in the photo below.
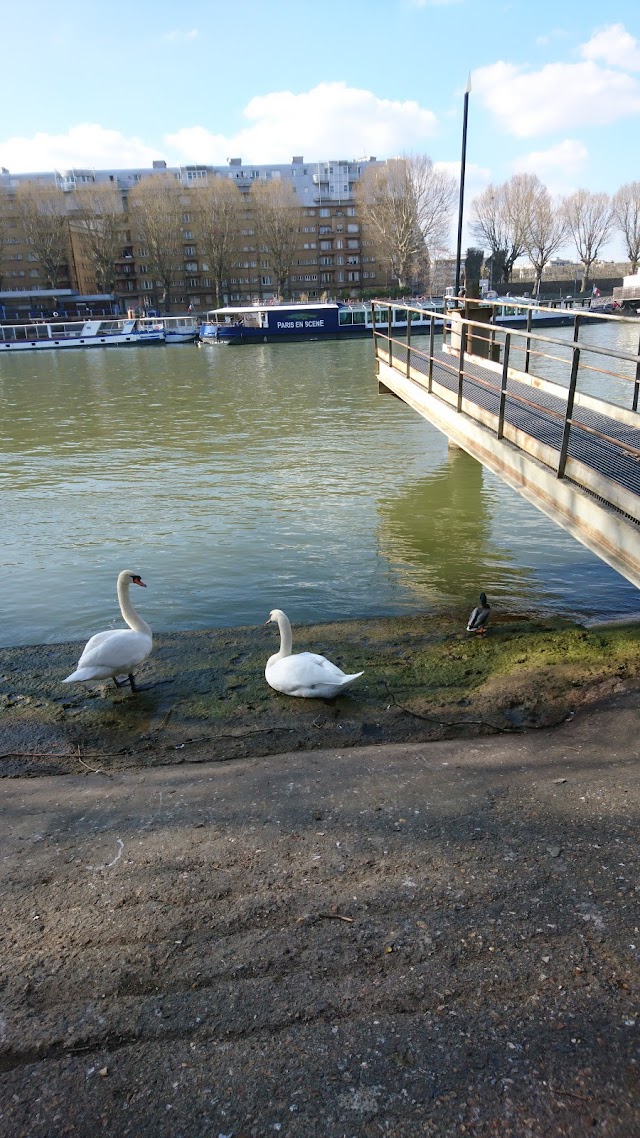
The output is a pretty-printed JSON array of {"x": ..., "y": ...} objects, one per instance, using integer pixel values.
[{"x": 555, "y": 87}]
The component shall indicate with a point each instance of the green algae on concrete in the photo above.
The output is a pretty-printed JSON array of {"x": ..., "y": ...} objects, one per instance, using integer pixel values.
[{"x": 424, "y": 679}]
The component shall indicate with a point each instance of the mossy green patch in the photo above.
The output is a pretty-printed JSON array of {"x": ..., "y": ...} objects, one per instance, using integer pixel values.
[{"x": 424, "y": 678}]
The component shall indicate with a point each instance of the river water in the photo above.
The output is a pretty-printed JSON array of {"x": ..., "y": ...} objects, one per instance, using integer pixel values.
[{"x": 236, "y": 480}]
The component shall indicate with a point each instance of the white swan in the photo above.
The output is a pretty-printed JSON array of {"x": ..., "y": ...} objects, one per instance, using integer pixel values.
[
  {"x": 119, "y": 651},
  {"x": 304, "y": 673}
]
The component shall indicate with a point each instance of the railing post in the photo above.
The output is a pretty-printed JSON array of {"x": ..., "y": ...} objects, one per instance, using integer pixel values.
[
  {"x": 463, "y": 337},
  {"x": 432, "y": 321},
  {"x": 564, "y": 446},
  {"x": 390, "y": 345},
  {"x": 503, "y": 385},
  {"x": 408, "y": 343},
  {"x": 576, "y": 327},
  {"x": 527, "y": 352},
  {"x": 374, "y": 330},
  {"x": 636, "y": 386}
]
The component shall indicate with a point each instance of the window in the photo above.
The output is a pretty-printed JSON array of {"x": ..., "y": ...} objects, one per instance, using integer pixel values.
[
  {"x": 191, "y": 267},
  {"x": 193, "y": 282},
  {"x": 339, "y": 243},
  {"x": 326, "y": 278},
  {"x": 353, "y": 277},
  {"x": 324, "y": 212},
  {"x": 350, "y": 211},
  {"x": 352, "y": 227},
  {"x": 206, "y": 283},
  {"x": 142, "y": 269},
  {"x": 146, "y": 285},
  {"x": 266, "y": 280},
  {"x": 353, "y": 244},
  {"x": 189, "y": 250},
  {"x": 186, "y": 217},
  {"x": 326, "y": 260},
  {"x": 325, "y": 245},
  {"x": 353, "y": 260}
]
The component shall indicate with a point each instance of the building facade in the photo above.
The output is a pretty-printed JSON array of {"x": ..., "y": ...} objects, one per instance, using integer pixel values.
[{"x": 333, "y": 258}]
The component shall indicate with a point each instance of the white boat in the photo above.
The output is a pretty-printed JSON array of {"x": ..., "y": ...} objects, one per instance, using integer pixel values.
[
  {"x": 46, "y": 335},
  {"x": 177, "y": 329}
]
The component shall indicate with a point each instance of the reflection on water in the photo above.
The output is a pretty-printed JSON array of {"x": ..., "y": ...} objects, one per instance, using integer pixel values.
[
  {"x": 239, "y": 479},
  {"x": 438, "y": 533}
]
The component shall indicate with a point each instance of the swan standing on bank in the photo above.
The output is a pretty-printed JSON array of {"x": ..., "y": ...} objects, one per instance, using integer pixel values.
[
  {"x": 119, "y": 651},
  {"x": 305, "y": 673}
]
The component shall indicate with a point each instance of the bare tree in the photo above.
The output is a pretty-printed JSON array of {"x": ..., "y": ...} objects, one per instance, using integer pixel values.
[
  {"x": 5, "y": 210},
  {"x": 499, "y": 220},
  {"x": 626, "y": 213},
  {"x": 155, "y": 212},
  {"x": 590, "y": 221},
  {"x": 42, "y": 211},
  {"x": 100, "y": 221},
  {"x": 406, "y": 207},
  {"x": 544, "y": 233},
  {"x": 277, "y": 215},
  {"x": 218, "y": 206}
]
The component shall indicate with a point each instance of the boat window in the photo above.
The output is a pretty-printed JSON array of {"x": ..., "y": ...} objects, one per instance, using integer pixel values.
[
  {"x": 381, "y": 316},
  {"x": 359, "y": 317},
  {"x": 415, "y": 317},
  {"x": 399, "y": 317},
  {"x": 345, "y": 316}
]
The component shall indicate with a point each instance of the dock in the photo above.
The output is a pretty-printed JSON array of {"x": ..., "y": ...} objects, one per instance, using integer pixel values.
[{"x": 575, "y": 456}]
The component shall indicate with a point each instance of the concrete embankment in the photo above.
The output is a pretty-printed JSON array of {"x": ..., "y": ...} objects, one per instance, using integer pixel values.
[{"x": 420, "y": 939}]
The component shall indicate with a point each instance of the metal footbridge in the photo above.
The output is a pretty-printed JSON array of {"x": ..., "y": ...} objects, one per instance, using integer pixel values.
[{"x": 554, "y": 416}]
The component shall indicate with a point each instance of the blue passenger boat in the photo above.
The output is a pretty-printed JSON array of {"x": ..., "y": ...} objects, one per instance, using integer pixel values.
[{"x": 266, "y": 323}]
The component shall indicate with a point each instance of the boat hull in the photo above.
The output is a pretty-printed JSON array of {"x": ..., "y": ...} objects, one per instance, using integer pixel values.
[{"x": 81, "y": 342}]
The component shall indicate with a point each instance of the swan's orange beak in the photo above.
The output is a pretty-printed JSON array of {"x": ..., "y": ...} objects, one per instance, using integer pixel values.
[{"x": 138, "y": 581}]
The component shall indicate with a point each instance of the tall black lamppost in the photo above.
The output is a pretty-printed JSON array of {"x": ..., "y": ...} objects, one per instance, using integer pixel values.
[{"x": 463, "y": 163}]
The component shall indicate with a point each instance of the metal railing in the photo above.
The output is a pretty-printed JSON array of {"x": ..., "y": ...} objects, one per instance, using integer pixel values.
[{"x": 477, "y": 353}]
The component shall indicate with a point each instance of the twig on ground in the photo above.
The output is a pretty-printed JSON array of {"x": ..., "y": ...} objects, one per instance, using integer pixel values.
[
  {"x": 452, "y": 722},
  {"x": 582, "y": 1098},
  {"x": 336, "y": 917}
]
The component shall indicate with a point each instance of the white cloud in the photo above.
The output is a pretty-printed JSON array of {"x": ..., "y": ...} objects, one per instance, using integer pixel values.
[
  {"x": 331, "y": 120},
  {"x": 85, "y": 145},
  {"x": 558, "y": 167},
  {"x": 615, "y": 45},
  {"x": 476, "y": 178},
  {"x": 177, "y": 35},
  {"x": 434, "y": 3},
  {"x": 558, "y": 97}
]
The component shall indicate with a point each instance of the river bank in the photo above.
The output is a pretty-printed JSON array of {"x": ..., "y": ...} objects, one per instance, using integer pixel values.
[
  {"x": 419, "y": 941},
  {"x": 424, "y": 679}
]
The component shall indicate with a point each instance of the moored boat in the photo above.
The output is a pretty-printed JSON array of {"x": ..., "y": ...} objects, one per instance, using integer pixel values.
[
  {"x": 47, "y": 335},
  {"x": 265, "y": 323},
  {"x": 177, "y": 329},
  {"x": 511, "y": 313}
]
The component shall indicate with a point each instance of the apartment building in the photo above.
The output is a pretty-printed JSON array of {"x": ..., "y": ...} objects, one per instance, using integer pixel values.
[{"x": 332, "y": 256}]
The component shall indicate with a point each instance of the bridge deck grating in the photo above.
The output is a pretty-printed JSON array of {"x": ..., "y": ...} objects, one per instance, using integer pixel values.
[{"x": 600, "y": 455}]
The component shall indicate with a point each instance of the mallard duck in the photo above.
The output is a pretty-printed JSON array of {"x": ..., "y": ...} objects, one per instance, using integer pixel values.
[
  {"x": 480, "y": 616},
  {"x": 303, "y": 674},
  {"x": 118, "y": 651}
]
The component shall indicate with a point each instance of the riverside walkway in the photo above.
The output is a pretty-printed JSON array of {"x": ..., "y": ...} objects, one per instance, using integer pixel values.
[{"x": 574, "y": 455}]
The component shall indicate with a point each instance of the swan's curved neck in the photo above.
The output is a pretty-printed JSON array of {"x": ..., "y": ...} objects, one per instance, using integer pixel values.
[
  {"x": 129, "y": 613},
  {"x": 286, "y": 640}
]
